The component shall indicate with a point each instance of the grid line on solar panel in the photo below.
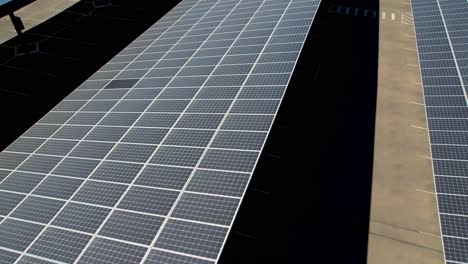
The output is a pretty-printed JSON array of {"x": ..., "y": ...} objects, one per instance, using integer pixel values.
[
  {"x": 238, "y": 51},
  {"x": 78, "y": 203},
  {"x": 107, "y": 236},
  {"x": 151, "y": 61},
  {"x": 252, "y": 141},
  {"x": 138, "y": 89},
  {"x": 209, "y": 50},
  {"x": 28, "y": 258},
  {"x": 80, "y": 229},
  {"x": 202, "y": 117},
  {"x": 186, "y": 141},
  {"x": 201, "y": 106},
  {"x": 184, "y": 86},
  {"x": 208, "y": 26},
  {"x": 116, "y": 182},
  {"x": 181, "y": 100},
  {"x": 150, "y": 163}
]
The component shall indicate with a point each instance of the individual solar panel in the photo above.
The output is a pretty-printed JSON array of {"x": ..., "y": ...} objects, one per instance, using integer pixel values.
[
  {"x": 148, "y": 160},
  {"x": 442, "y": 38}
]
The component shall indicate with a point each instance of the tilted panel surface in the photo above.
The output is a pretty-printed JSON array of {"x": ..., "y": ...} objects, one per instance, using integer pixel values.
[
  {"x": 442, "y": 37},
  {"x": 148, "y": 160}
]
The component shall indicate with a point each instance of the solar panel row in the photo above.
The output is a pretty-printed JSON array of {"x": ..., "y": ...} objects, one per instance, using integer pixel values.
[
  {"x": 442, "y": 37},
  {"x": 148, "y": 160}
]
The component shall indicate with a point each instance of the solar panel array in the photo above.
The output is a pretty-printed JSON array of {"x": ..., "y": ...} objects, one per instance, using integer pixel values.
[
  {"x": 148, "y": 160},
  {"x": 442, "y": 37}
]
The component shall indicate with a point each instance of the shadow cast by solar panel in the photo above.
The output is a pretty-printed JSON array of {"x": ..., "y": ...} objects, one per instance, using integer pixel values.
[{"x": 309, "y": 198}]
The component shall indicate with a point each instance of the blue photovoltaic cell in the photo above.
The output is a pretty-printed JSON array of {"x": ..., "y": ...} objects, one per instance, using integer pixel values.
[
  {"x": 148, "y": 160},
  {"x": 442, "y": 38}
]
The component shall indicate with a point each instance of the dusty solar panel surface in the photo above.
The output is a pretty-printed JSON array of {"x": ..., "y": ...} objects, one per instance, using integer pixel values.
[
  {"x": 442, "y": 37},
  {"x": 148, "y": 160}
]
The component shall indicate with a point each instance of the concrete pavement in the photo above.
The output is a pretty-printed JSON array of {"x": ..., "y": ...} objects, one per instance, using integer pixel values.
[{"x": 404, "y": 225}]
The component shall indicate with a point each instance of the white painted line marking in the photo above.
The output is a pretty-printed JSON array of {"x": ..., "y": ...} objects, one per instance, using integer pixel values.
[
  {"x": 54, "y": 9},
  {"x": 429, "y": 234},
  {"x": 418, "y": 127},
  {"x": 407, "y": 19},
  {"x": 383, "y": 15},
  {"x": 424, "y": 191},
  {"x": 424, "y": 157},
  {"x": 393, "y": 16}
]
